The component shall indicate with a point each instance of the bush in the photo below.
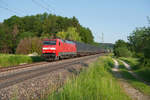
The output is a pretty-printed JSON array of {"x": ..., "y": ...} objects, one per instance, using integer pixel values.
[
  {"x": 29, "y": 45},
  {"x": 140, "y": 43},
  {"x": 144, "y": 73},
  {"x": 121, "y": 49},
  {"x": 123, "y": 52}
]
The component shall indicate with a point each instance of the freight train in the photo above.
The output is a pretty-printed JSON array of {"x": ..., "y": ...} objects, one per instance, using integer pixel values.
[{"x": 55, "y": 49}]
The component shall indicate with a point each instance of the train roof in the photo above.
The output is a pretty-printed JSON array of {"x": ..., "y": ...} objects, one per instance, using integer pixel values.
[{"x": 66, "y": 41}]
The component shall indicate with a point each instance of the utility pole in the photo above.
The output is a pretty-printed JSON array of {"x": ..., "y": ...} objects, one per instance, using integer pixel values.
[{"x": 102, "y": 37}]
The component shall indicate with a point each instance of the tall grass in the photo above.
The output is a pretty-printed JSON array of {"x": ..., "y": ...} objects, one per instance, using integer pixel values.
[
  {"x": 12, "y": 60},
  {"x": 95, "y": 83}
]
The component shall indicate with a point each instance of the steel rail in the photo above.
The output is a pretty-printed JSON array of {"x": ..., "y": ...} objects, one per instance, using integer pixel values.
[{"x": 9, "y": 80}]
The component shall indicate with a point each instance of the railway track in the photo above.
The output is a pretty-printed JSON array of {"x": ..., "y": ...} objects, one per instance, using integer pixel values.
[
  {"x": 13, "y": 78},
  {"x": 4, "y": 69}
]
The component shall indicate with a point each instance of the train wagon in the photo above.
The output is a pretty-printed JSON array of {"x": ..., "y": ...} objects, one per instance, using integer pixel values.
[{"x": 87, "y": 49}]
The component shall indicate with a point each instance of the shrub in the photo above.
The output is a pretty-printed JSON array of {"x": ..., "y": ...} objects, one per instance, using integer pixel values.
[
  {"x": 29, "y": 45},
  {"x": 123, "y": 52},
  {"x": 121, "y": 49}
]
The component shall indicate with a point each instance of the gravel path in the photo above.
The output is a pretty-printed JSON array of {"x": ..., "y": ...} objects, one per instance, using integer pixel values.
[{"x": 132, "y": 92}]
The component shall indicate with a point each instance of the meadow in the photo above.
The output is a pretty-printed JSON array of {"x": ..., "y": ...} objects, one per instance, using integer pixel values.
[{"x": 8, "y": 60}]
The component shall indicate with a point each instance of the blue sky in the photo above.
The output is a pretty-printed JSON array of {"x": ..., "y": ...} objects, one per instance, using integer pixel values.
[{"x": 116, "y": 19}]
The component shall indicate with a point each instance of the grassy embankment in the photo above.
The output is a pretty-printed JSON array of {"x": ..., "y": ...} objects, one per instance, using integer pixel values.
[
  {"x": 142, "y": 71},
  {"x": 94, "y": 83},
  {"x": 132, "y": 80},
  {"x": 7, "y": 60}
]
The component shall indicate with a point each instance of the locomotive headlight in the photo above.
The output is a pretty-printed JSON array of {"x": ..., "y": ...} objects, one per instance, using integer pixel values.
[
  {"x": 45, "y": 48},
  {"x": 49, "y": 48},
  {"x": 53, "y": 48}
]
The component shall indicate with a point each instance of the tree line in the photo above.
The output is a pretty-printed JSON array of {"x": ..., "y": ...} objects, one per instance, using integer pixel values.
[
  {"x": 137, "y": 46},
  {"x": 20, "y": 33}
]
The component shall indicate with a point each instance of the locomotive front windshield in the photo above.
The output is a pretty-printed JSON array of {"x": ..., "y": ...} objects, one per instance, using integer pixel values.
[{"x": 49, "y": 42}]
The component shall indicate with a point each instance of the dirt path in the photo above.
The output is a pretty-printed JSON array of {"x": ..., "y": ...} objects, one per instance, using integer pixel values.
[
  {"x": 126, "y": 65},
  {"x": 133, "y": 74},
  {"x": 132, "y": 92},
  {"x": 116, "y": 65}
]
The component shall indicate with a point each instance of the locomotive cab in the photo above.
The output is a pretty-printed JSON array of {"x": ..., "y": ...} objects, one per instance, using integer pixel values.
[
  {"x": 50, "y": 49},
  {"x": 54, "y": 49}
]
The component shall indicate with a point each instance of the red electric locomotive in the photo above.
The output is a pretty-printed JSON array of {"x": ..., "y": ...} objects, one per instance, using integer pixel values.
[{"x": 54, "y": 49}]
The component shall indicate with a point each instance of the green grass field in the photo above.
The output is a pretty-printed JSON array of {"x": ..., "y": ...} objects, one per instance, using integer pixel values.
[
  {"x": 7, "y": 60},
  {"x": 94, "y": 83},
  {"x": 133, "y": 81}
]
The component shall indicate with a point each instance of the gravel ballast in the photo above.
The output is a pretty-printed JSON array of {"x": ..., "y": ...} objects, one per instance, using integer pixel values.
[{"x": 38, "y": 87}]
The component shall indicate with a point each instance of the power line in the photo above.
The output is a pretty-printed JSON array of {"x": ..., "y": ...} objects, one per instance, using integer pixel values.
[
  {"x": 37, "y": 3},
  {"x": 49, "y": 5},
  {"x": 6, "y": 8},
  {"x": 54, "y": 6},
  {"x": 9, "y": 10},
  {"x": 148, "y": 19},
  {"x": 100, "y": 37}
]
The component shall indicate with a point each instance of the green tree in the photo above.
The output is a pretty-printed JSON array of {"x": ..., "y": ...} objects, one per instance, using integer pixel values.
[
  {"x": 140, "y": 44},
  {"x": 70, "y": 34},
  {"x": 121, "y": 49},
  {"x": 62, "y": 35},
  {"x": 6, "y": 43},
  {"x": 23, "y": 35},
  {"x": 44, "y": 25},
  {"x": 86, "y": 35}
]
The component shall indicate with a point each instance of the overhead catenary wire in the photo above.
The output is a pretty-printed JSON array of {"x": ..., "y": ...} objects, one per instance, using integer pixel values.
[
  {"x": 39, "y": 4},
  {"x": 100, "y": 38},
  {"x": 53, "y": 7},
  {"x": 95, "y": 34},
  {"x": 48, "y": 5},
  {"x": 8, "y": 9}
]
